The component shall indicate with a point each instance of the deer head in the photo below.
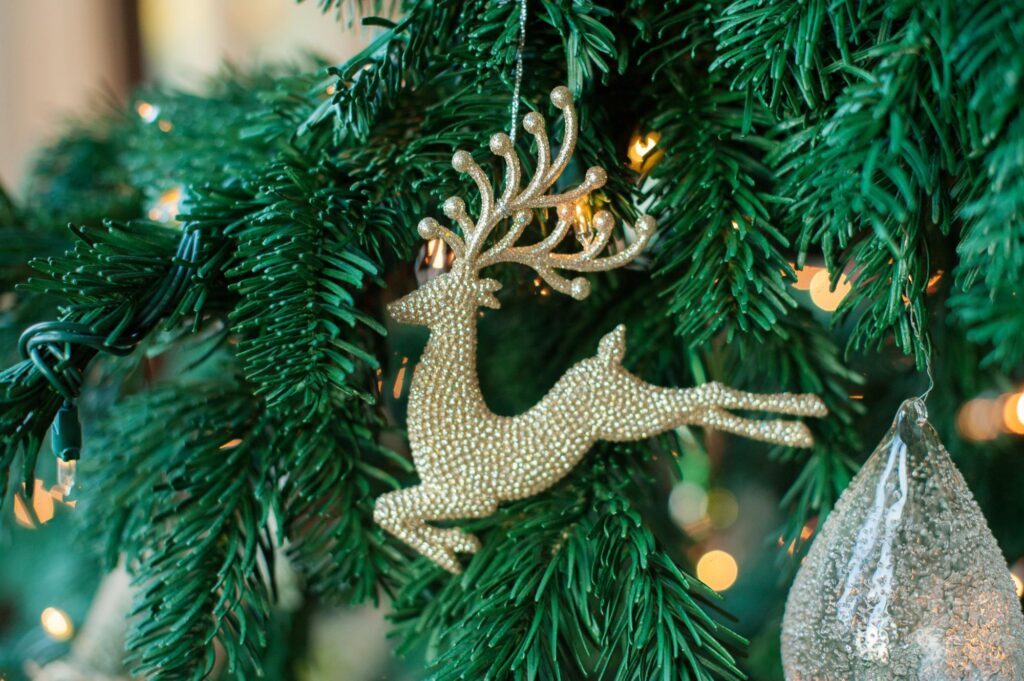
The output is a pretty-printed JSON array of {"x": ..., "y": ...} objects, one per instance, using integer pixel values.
[{"x": 462, "y": 289}]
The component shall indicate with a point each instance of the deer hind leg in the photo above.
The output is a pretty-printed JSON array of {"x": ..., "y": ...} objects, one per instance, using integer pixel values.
[
  {"x": 404, "y": 513},
  {"x": 775, "y": 431},
  {"x": 792, "y": 404}
]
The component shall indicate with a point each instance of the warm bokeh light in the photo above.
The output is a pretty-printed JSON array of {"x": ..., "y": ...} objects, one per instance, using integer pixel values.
[
  {"x": 822, "y": 294},
  {"x": 582, "y": 225},
  {"x": 723, "y": 508},
  {"x": 642, "y": 153},
  {"x": 717, "y": 569},
  {"x": 57, "y": 624},
  {"x": 642, "y": 146},
  {"x": 433, "y": 258},
  {"x": 167, "y": 207},
  {"x": 437, "y": 254},
  {"x": 21, "y": 513},
  {"x": 165, "y": 125},
  {"x": 1017, "y": 573},
  {"x": 980, "y": 419},
  {"x": 688, "y": 505},
  {"x": 231, "y": 444},
  {"x": 43, "y": 501},
  {"x": 42, "y": 509},
  {"x": 147, "y": 112},
  {"x": 1013, "y": 413},
  {"x": 396, "y": 390},
  {"x": 804, "y": 276}
]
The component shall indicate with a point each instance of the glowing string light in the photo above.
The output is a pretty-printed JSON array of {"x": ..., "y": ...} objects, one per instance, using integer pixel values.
[
  {"x": 147, "y": 112},
  {"x": 1013, "y": 413},
  {"x": 822, "y": 293},
  {"x": 57, "y": 624},
  {"x": 717, "y": 569}
]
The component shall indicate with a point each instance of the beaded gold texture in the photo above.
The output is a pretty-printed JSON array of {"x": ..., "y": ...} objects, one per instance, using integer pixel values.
[{"x": 469, "y": 459}]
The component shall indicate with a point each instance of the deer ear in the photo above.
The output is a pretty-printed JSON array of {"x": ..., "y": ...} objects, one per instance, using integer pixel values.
[{"x": 485, "y": 293}]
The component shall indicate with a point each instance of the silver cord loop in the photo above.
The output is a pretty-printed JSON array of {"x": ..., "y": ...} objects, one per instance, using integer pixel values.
[
  {"x": 519, "y": 71},
  {"x": 914, "y": 325}
]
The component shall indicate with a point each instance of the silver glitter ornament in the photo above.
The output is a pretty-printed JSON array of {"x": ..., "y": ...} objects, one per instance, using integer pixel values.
[
  {"x": 905, "y": 580},
  {"x": 469, "y": 459}
]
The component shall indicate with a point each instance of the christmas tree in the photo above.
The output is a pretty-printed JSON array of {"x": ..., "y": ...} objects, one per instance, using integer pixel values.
[{"x": 201, "y": 281}]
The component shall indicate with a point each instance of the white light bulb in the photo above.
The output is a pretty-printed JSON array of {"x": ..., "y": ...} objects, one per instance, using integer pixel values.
[{"x": 66, "y": 475}]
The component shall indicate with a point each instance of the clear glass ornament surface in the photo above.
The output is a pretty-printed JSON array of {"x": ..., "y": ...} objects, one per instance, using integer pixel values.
[{"x": 905, "y": 580}]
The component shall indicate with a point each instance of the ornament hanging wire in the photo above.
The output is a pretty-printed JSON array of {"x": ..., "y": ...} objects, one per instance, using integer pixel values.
[
  {"x": 925, "y": 346},
  {"x": 518, "y": 70}
]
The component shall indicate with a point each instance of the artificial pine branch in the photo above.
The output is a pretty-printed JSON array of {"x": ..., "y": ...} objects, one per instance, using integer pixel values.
[
  {"x": 298, "y": 262},
  {"x": 568, "y": 585},
  {"x": 990, "y": 66},
  {"x": 371, "y": 81},
  {"x": 193, "y": 515},
  {"x": 709, "y": 190},
  {"x": 793, "y": 56},
  {"x": 712, "y": 191},
  {"x": 900, "y": 137},
  {"x": 191, "y": 511},
  {"x": 82, "y": 179},
  {"x": 868, "y": 179},
  {"x": 330, "y": 473},
  {"x": 117, "y": 283}
]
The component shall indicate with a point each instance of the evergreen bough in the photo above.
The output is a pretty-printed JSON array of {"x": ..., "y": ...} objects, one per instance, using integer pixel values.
[{"x": 886, "y": 136}]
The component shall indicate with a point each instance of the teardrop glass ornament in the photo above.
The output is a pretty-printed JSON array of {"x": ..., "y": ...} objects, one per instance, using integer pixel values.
[{"x": 905, "y": 580}]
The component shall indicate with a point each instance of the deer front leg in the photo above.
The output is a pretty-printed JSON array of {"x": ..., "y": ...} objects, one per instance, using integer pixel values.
[
  {"x": 775, "y": 431},
  {"x": 404, "y": 513},
  {"x": 777, "y": 403}
]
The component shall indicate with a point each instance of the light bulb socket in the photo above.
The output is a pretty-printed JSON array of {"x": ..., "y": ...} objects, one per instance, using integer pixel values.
[{"x": 66, "y": 433}]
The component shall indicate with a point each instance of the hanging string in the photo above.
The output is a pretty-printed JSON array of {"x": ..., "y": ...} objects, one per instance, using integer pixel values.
[
  {"x": 519, "y": 71},
  {"x": 926, "y": 347}
]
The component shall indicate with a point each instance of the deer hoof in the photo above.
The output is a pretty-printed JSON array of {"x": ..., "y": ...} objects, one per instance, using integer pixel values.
[
  {"x": 797, "y": 435},
  {"x": 815, "y": 406},
  {"x": 446, "y": 559},
  {"x": 459, "y": 541}
]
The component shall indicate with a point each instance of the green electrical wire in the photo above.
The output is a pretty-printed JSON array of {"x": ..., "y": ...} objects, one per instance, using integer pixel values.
[{"x": 61, "y": 350}]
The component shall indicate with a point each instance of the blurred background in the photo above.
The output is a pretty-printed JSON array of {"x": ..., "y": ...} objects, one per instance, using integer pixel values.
[{"x": 63, "y": 61}]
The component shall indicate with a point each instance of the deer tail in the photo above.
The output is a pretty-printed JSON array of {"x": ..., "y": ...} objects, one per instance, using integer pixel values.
[{"x": 612, "y": 347}]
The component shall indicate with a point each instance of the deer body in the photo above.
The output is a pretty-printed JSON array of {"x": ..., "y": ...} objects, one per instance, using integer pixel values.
[{"x": 468, "y": 458}]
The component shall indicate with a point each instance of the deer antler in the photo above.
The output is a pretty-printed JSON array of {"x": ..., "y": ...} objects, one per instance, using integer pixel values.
[{"x": 519, "y": 205}]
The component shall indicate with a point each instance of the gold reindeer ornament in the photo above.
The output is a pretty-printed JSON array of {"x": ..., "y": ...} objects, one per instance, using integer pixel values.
[{"x": 469, "y": 459}]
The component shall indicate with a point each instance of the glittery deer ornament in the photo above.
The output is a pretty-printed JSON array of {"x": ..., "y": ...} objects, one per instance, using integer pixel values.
[{"x": 469, "y": 459}]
